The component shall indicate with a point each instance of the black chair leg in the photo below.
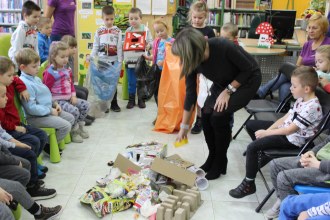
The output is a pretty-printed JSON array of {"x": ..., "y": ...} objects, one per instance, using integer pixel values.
[
  {"x": 240, "y": 129},
  {"x": 265, "y": 200}
]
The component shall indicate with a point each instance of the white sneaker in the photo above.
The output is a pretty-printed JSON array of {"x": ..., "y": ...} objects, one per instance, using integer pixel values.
[{"x": 274, "y": 211}]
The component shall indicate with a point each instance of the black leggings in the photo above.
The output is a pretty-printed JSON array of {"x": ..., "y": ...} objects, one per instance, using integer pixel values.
[{"x": 269, "y": 142}]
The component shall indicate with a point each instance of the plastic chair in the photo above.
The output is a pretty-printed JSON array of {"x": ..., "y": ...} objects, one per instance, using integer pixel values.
[
  {"x": 42, "y": 68},
  {"x": 51, "y": 132},
  {"x": 304, "y": 189},
  {"x": 4, "y": 44},
  {"x": 269, "y": 154},
  {"x": 263, "y": 105},
  {"x": 18, "y": 212}
]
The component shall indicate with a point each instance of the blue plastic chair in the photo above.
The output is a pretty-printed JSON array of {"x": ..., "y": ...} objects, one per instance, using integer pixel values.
[{"x": 305, "y": 189}]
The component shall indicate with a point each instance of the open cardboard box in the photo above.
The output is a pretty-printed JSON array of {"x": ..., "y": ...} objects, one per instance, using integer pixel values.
[{"x": 161, "y": 166}]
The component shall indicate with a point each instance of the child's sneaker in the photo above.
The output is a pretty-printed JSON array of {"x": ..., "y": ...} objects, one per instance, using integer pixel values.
[
  {"x": 83, "y": 133},
  {"x": 48, "y": 213},
  {"x": 42, "y": 168},
  {"x": 40, "y": 193},
  {"x": 75, "y": 137},
  {"x": 274, "y": 211},
  {"x": 41, "y": 175}
]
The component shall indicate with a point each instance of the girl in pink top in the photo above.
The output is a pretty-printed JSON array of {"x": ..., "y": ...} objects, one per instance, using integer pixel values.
[{"x": 59, "y": 81}]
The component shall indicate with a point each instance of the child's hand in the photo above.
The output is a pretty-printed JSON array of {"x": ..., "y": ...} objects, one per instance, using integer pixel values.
[
  {"x": 25, "y": 95},
  {"x": 20, "y": 129},
  {"x": 160, "y": 63},
  {"x": 260, "y": 134},
  {"x": 73, "y": 100},
  {"x": 310, "y": 161},
  {"x": 5, "y": 196},
  {"x": 58, "y": 108},
  {"x": 22, "y": 145},
  {"x": 323, "y": 81},
  {"x": 303, "y": 215},
  {"x": 54, "y": 112}
]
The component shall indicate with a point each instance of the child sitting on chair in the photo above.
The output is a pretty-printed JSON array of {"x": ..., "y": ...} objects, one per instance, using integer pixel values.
[
  {"x": 290, "y": 131},
  {"x": 58, "y": 79}
]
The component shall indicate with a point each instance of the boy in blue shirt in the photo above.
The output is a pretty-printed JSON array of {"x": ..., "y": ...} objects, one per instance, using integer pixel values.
[{"x": 45, "y": 29}]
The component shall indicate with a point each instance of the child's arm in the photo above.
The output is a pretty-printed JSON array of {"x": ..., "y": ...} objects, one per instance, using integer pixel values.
[
  {"x": 120, "y": 47},
  {"x": 149, "y": 38},
  {"x": 21, "y": 88},
  {"x": 279, "y": 131},
  {"x": 96, "y": 44},
  {"x": 33, "y": 108},
  {"x": 48, "y": 80},
  {"x": 323, "y": 209},
  {"x": 279, "y": 122}
]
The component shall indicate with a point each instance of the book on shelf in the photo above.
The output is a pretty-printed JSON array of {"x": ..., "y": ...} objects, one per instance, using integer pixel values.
[
  {"x": 213, "y": 18},
  {"x": 16, "y": 4},
  {"x": 242, "y": 19},
  {"x": 10, "y": 17}
]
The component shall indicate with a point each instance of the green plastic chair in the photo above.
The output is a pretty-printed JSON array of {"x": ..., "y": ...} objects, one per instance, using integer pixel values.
[
  {"x": 18, "y": 212},
  {"x": 51, "y": 132},
  {"x": 4, "y": 44}
]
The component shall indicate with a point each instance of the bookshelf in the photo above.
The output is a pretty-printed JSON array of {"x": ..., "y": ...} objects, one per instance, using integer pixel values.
[
  {"x": 10, "y": 14},
  {"x": 239, "y": 12}
]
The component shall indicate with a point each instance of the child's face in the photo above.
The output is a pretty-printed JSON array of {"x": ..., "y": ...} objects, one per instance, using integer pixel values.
[
  {"x": 198, "y": 19},
  {"x": 297, "y": 89},
  {"x": 72, "y": 51},
  {"x": 32, "y": 19},
  {"x": 108, "y": 20},
  {"x": 8, "y": 77},
  {"x": 322, "y": 62},
  {"x": 31, "y": 69},
  {"x": 47, "y": 29},
  {"x": 227, "y": 35},
  {"x": 134, "y": 20},
  {"x": 3, "y": 97},
  {"x": 62, "y": 58},
  {"x": 160, "y": 31}
]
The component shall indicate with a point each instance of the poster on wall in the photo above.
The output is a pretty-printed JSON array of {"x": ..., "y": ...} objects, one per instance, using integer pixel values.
[
  {"x": 121, "y": 10},
  {"x": 98, "y": 4}
]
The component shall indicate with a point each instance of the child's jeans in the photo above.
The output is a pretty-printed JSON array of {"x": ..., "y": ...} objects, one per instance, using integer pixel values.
[
  {"x": 131, "y": 80},
  {"x": 79, "y": 111}
]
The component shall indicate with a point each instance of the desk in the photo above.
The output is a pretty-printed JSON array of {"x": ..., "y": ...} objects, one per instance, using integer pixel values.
[
  {"x": 264, "y": 51},
  {"x": 291, "y": 45}
]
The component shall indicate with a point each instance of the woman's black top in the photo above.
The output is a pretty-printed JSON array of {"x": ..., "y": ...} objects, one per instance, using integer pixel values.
[{"x": 226, "y": 62}]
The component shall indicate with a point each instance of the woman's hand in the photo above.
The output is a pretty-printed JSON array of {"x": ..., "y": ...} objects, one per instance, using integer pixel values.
[
  {"x": 182, "y": 134},
  {"x": 74, "y": 100},
  {"x": 5, "y": 196},
  {"x": 222, "y": 101}
]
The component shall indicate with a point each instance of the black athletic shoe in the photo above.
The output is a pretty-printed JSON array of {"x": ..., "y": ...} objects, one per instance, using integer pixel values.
[
  {"x": 48, "y": 213},
  {"x": 244, "y": 189},
  {"x": 40, "y": 193}
]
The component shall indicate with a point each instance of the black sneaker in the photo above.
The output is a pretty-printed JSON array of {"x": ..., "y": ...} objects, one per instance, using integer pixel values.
[
  {"x": 88, "y": 122},
  {"x": 197, "y": 127},
  {"x": 90, "y": 118},
  {"x": 40, "y": 183},
  {"x": 40, "y": 193},
  {"x": 244, "y": 189},
  {"x": 115, "y": 107},
  {"x": 48, "y": 213}
]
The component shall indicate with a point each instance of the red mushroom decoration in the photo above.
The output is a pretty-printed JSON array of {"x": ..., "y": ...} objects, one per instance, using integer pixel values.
[{"x": 266, "y": 32}]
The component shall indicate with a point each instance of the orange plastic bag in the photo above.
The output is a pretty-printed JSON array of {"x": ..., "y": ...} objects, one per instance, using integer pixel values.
[{"x": 171, "y": 95}]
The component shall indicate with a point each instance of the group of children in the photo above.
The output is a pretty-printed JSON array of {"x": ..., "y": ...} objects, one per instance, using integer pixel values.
[{"x": 52, "y": 101}]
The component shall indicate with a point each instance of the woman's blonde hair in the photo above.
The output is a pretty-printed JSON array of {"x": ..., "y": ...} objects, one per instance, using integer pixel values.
[
  {"x": 190, "y": 46},
  {"x": 161, "y": 21},
  {"x": 325, "y": 50},
  {"x": 55, "y": 47},
  {"x": 198, "y": 6},
  {"x": 321, "y": 20}
]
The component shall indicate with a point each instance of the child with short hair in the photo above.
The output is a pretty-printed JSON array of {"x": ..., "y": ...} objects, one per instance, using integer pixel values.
[
  {"x": 45, "y": 29},
  {"x": 25, "y": 34},
  {"x": 135, "y": 19},
  {"x": 290, "y": 131},
  {"x": 39, "y": 109},
  {"x": 107, "y": 47},
  {"x": 230, "y": 32},
  {"x": 58, "y": 79},
  {"x": 14, "y": 146},
  {"x": 322, "y": 63},
  {"x": 197, "y": 16},
  {"x": 81, "y": 91}
]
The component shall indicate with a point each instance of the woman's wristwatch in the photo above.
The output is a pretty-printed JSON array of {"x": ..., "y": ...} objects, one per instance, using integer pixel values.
[
  {"x": 230, "y": 89},
  {"x": 184, "y": 126}
]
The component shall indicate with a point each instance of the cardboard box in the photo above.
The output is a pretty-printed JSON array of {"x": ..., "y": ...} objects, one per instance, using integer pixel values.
[{"x": 161, "y": 166}]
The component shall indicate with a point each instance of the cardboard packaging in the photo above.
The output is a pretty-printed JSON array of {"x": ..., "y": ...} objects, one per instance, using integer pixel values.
[{"x": 134, "y": 46}]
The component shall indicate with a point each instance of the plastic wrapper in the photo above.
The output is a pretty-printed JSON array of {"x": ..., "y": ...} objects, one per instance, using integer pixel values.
[
  {"x": 102, "y": 80},
  {"x": 103, "y": 204}
]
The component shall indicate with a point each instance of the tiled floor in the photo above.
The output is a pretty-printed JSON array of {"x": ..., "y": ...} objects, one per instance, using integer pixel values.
[{"x": 83, "y": 163}]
